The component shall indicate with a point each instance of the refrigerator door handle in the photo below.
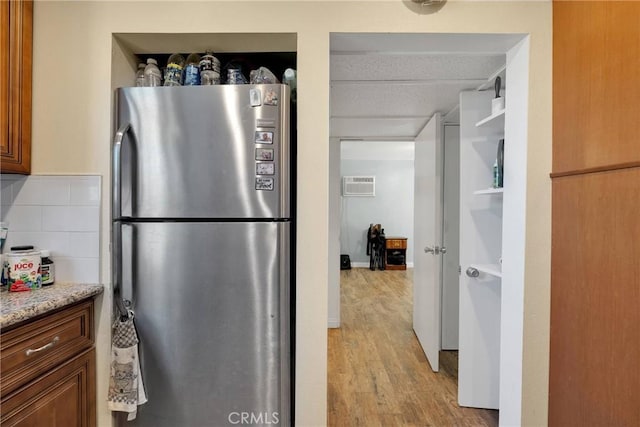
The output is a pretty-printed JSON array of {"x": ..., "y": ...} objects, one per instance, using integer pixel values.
[
  {"x": 116, "y": 177},
  {"x": 116, "y": 212}
]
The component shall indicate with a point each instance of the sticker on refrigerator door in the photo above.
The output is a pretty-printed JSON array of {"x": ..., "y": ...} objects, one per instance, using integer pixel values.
[
  {"x": 271, "y": 98},
  {"x": 263, "y": 137},
  {"x": 265, "y": 168},
  {"x": 264, "y": 154},
  {"x": 255, "y": 97},
  {"x": 264, "y": 184}
]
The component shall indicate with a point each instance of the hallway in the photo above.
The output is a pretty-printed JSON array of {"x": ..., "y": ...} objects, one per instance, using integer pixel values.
[{"x": 377, "y": 373}]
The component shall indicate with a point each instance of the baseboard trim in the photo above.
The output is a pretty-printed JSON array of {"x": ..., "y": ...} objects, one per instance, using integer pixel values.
[
  {"x": 360, "y": 265},
  {"x": 366, "y": 265},
  {"x": 334, "y": 323}
]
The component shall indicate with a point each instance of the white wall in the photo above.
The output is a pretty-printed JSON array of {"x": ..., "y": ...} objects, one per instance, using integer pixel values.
[
  {"x": 514, "y": 253},
  {"x": 72, "y": 129},
  {"x": 392, "y": 165}
]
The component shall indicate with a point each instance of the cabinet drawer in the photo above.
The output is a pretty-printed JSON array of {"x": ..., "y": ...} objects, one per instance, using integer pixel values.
[
  {"x": 61, "y": 398},
  {"x": 396, "y": 243},
  {"x": 34, "y": 348}
]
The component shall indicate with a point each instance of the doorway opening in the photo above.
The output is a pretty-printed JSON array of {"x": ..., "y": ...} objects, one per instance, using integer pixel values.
[{"x": 428, "y": 92}]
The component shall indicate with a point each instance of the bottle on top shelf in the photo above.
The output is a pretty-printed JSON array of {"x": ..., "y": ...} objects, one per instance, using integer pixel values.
[
  {"x": 152, "y": 76},
  {"x": 140, "y": 75},
  {"x": 290, "y": 78},
  {"x": 175, "y": 68},
  {"x": 209, "y": 69},
  {"x": 192, "y": 70}
]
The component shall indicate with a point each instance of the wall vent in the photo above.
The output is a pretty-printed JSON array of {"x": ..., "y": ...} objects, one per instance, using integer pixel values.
[{"x": 358, "y": 186}]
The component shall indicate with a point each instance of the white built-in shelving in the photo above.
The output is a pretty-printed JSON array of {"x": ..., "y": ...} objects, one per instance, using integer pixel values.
[
  {"x": 489, "y": 191},
  {"x": 496, "y": 119},
  {"x": 481, "y": 229}
]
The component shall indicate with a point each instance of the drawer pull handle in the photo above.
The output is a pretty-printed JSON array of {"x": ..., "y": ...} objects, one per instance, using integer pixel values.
[{"x": 53, "y": 342}]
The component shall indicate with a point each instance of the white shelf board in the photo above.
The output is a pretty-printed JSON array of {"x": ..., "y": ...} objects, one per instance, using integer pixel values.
[
  {"x": 490, "y": 191},
  {"x": 498, "y": 117},
  {"x": 492, "y": 269}
]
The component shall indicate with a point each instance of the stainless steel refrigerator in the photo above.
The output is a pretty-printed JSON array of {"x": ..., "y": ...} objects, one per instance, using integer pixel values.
[{"x": 201, "y": 246}]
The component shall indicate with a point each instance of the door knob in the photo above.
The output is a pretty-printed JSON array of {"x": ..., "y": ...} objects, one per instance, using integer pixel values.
[
  {"x": 436, "y": 250},
  {"x": 472, "y": 272}
]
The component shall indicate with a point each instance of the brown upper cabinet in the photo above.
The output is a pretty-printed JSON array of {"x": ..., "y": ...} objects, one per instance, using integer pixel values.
[
  {"x": 16, "y": 18},
  {"x": 596, "y": 124}
]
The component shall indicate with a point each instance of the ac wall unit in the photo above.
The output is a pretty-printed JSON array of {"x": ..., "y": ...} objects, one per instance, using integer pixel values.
[{"x": 358, "y": 186}]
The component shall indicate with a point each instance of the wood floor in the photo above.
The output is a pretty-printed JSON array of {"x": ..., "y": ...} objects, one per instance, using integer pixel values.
[{"x": 378, "y": 374}]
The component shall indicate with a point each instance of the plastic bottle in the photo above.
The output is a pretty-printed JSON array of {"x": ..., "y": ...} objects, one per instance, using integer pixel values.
[
  {"x": 290, "y": 78},
  {"x": 175, "y": 68},
  {"x": 209, "y": 69},
  {"x": 152, "y": 76},
  {"x": 192, "y": 70},
  {"x": 47, "y": 268},
  {"x": 140, "y": 75},
  {"x": 496, "y": 175}
]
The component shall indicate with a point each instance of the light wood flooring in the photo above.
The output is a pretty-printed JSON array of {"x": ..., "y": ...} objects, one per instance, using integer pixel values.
[{"x": 378, "y": 374}]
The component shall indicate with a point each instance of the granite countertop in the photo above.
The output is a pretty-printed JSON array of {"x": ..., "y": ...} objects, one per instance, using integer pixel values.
[{"x": 16, "y": 307}]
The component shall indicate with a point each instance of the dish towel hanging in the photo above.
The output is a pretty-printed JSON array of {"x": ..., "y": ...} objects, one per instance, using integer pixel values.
[{"x": 126, "y": 390}]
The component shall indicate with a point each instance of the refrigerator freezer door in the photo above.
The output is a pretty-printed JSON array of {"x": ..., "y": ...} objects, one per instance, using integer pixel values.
[
  {"x": 212, "y": 312},
  {"x": 204, "y": 152}
]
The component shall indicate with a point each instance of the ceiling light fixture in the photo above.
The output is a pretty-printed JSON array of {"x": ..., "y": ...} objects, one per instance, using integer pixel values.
[{"x": 429, "y": 2}]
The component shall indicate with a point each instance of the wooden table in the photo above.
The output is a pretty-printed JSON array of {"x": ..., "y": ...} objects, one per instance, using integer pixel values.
[{"x": 393, "y": 245}]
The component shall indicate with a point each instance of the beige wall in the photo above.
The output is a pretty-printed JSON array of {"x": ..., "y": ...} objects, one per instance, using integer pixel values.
[{"x": 72, "y": 128}]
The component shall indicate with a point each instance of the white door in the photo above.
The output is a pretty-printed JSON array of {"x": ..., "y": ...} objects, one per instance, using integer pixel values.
[
  {"x": 451, "y": 238},
  {"x": 428, "y": 238}
]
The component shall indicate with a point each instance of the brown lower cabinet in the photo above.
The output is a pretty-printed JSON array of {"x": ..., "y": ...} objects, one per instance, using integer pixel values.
[
  {"x": 47, "y": 370},
  {"x": 59, "y": 398}
]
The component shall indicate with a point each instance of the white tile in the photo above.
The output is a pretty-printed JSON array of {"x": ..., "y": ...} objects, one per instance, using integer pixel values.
[
  {"x": 71, "y": 218},
  {"x": 85, "y": 191},
  {"x": 54, "y": 190},
  {"x": 86, "y": 270},
  {"x": 24, "y": 218},
  {"x": 56, "y": 242},
  {"x": 84, "y": 245},
  {"x": 6, "y": 195},
  {"x": 84, "y": 218},
  {"x": 4, "y": 212},
  {"x": 27, "y": 192},
  {"x": 55, "y": 218}
]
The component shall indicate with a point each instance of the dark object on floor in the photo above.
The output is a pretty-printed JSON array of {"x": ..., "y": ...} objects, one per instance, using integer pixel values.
[
  {"x": 376, "y": 246},
  {"x": 395, "y": 257},
  {"x": 345, "y": 262}
]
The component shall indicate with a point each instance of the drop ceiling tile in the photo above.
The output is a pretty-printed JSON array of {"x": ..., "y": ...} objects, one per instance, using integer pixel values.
[
  {"x": 423, "y": 42},
  {"x": 393, "y": 100},
  {"x": 377, "y": 128}
]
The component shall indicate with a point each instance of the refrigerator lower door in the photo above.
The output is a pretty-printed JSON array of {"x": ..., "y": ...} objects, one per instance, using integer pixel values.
[{"x": 211, "y": 302}]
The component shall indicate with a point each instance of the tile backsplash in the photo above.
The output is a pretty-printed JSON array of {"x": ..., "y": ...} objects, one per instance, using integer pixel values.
[{"x": 58, "y": 213}]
